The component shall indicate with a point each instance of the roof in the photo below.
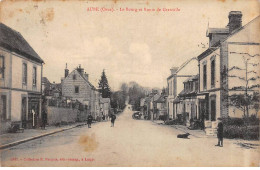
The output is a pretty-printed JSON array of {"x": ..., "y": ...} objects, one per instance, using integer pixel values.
[
  {"x": 14, "y": 41},
  {"x": 217, "y": 44},
  {"x": 182, "y": 66},
  {"x": 161, "y": 99},
  {"x": 84, "y": 78},
  {"x": 192, "y": 78},
  {"x": 217, "y": 31},
  {"x": 45, "y": 80}
]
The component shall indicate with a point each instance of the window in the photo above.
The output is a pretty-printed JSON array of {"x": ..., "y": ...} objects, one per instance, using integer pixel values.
[
  {"x": 34, "y": 76},
  {"x": 3, "y": 107},
  {"x": 213, "y": 108},
  {"x": 213, "y": 73},
  {"x": 205, "y": 77},
  {"x": 74, "y": 77},
  {"x": 24, "y": 73},
  {"x": 196, "y": 85},
  {"x": 76, "y": 89},
  {"x": 2, "y": 67}
]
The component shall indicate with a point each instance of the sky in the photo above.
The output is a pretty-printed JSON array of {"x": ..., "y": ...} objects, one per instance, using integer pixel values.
[{"x": 131, "y": 46}]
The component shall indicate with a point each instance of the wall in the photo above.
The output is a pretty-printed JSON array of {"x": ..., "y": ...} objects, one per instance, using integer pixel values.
[
  {"x": 245, "y": 41},
  {"x": 16, "y": 103},
  {"x": 17, "y": 64},
  {"x": 57, "y": 115},
  {"x": 207, "y": 60},
  {"x": 6, "y": 82}
]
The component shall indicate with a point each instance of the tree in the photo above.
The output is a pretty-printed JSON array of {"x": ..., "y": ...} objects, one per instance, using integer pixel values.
[
  {"x": 136, "y": 92},
  {"x": 103, "y": 85},
  {"x": 244, "y": 100}
]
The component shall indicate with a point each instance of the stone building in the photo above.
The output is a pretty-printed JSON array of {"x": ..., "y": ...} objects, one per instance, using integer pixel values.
[
  {"x": 76, "y": 86},
  {"x": 20, "y": 81}
]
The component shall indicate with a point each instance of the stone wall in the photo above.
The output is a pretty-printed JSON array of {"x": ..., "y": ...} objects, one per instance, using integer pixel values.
[{"x": 58, "y": 115}]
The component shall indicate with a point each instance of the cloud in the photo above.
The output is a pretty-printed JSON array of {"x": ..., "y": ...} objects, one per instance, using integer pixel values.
[{"x": 140, "y": 53}]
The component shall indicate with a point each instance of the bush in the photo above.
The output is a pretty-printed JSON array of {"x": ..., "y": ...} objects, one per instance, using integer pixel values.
[
  {"x": 233, "y": 121},
  {"x": 241, "y": 132}
]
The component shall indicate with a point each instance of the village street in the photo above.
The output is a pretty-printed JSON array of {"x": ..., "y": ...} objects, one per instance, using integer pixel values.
[{"x": 129, "y": 143}]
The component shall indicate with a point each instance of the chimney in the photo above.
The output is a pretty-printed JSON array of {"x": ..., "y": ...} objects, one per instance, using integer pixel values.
[
  {"x": 174, "y": 69},
  {"x": 86, "y": 75},
  {"x": 66, "y": 71},
  {"x": 80, "y": 70},
  {"x": 235, "y": 20}
]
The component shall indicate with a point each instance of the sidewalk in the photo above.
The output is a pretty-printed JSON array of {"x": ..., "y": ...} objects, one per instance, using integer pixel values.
[
  {"x": 12, "y": 139},
  {"x": 184, "y": 129}
]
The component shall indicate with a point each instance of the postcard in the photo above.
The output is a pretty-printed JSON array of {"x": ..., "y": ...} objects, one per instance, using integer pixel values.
[{"x": 141, "y": 83}]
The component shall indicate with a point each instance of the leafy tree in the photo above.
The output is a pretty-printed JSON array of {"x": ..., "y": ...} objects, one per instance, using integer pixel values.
[{"x": 103, "y": 85}]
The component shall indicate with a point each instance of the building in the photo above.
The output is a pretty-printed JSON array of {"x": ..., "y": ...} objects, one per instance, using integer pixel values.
[
  {"x": 51, "y": 90},
  {"x": 76, "y": 86},
  {"x": 161, "y": 107},
  {"x": 104, "y": 106},
  {"x": 20, "y": 81},
  {"x": 188, "y": 102},
  {"x": 175, "y": 84},
  {"x": 223, "y": 65}
]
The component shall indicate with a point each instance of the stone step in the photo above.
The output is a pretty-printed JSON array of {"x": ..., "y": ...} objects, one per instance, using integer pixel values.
[{"x": 211, "y": 131}]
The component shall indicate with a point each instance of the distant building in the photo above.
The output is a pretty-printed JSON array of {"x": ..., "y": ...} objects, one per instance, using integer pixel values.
[
  {"x": 51, "y": 90},
  {"x": 175, "y": 84},
  {"x": 104, "y": 106},
  {"x": 161, "y": 106},
  {"x": 20, "y": 81}
]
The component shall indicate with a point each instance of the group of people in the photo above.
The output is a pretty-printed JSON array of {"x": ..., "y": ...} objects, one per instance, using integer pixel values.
[{"x": 90, "y": 119}]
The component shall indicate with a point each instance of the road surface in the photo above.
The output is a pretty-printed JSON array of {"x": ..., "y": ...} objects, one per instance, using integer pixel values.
[{"x": 129, "y": 143}]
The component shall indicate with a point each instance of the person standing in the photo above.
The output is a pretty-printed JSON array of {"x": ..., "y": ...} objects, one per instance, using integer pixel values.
[
  {"x": 89, "y": 120},
  {"x": 220, "y": 133},
  {"x": 113, "y": 118}
]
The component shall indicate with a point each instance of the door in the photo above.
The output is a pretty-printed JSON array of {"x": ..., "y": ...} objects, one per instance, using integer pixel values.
[
  {"x": 24, "y": 110},
  {"x": 33, "y": 112}
]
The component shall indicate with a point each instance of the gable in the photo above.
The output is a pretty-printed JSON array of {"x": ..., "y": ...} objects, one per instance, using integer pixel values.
[{"x": 248, "y": 33}]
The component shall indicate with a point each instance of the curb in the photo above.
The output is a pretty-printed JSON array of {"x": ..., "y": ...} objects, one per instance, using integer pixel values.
[
  {"x": 36, "y": 137},
  {"x": 180, "y": 129}
]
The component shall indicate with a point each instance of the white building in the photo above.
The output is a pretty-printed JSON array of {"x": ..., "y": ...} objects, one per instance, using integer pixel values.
[
  {"x": 218, "y": 79},
  {"x": 175, "y": 83},
  {"x": 20, "y": 81}
]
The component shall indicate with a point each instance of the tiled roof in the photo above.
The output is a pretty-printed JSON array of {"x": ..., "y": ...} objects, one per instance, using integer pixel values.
[{"x": 14, "y": 41}]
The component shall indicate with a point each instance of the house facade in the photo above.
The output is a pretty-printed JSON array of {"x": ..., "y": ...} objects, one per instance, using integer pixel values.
[
  {"x": 20, "y": 81},
  {"x": 175, "y": 84},
  {"x": 188, "y": 102},
  {"x": 105, "y": 106},
  {"x": 76, "y": 86},
  {"x": 223, "y": 65}
]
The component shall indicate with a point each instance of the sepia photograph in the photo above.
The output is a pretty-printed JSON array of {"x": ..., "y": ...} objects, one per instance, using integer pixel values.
[{"x": 129, "y": 83}]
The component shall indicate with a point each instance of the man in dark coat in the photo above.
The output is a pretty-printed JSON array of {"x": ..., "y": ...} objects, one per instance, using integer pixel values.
[
  {"x": 89, "y": 120},
  {"x": 113, "y": 118},
  {"x": 220, "y": 133}
]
